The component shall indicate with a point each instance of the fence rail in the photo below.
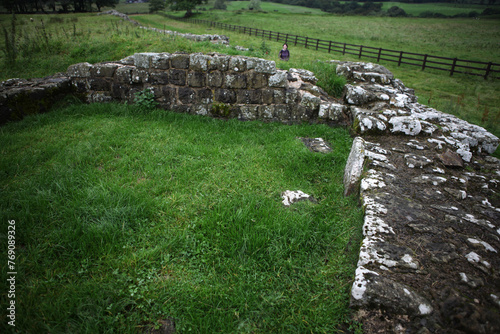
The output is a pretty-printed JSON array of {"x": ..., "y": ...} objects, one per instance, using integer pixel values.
[{"x": 424, "y": 61}]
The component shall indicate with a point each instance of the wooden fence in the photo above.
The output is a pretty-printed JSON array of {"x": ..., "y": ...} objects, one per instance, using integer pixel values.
[{"x": 424, "y": 61}]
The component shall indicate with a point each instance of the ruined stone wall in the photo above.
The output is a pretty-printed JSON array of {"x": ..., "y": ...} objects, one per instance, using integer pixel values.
[{"x": 236, "y": 86}]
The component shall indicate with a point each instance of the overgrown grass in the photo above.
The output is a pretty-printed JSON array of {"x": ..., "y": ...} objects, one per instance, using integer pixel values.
[{"x": 125, "y": 218}]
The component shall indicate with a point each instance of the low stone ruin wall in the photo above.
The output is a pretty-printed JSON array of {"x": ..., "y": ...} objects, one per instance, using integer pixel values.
[{"x": 214, "y": 84}]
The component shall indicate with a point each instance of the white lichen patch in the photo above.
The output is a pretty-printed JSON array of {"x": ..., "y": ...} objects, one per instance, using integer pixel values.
[
  {"x": 360, "y": 282},
  {"x": 374, "y": 225},
  {"x": 424, "y": 309},
  {"x": 486, "y": 245}
]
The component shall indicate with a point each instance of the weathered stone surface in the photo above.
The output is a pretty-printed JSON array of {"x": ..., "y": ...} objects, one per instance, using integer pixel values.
[
  {"x": 290, "y": 197},
  {"x": 407, "y": 125},
  {"x": 81, "y": 70},
  {"x": 198, "y": 62},
  {"x": 451, "y": 159},
  {"x": 279, "y": 79},
  {"x": 179, "y": 60},
  {"x": 354, "y": 166},
  {"x": 235, "y": 81},
  {"x": 370, "y": 288},
  {"x": 105, "y": 70},
  {"x": 317, "y": 145}
]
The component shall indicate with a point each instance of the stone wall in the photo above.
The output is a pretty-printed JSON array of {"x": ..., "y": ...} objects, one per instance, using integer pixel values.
[
  {"x": 242, "y": 87},
  {"x": 248, "y": 88}
]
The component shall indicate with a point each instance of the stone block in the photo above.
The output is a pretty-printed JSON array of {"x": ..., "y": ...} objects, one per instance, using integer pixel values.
[
  {"x": 354, "y": 166},
  {"x": 100, "y": 84},
  {"x": 238, "y": 64},
  {"x": 279, "y": 79},
  {"x": 187, "y": 95},
  {"x": 291, "y": 96},
  {"x": 257, "y": 80},
  {"x": 81, "y": 70},
  {"x": 143, "y": 60},
  {"x": 160, "y": 61},
  {"x": 167, "y": 94},
  {"x": 80, "y": 85},
  {"x": 248, "y": 113},
  {"x": 205, "y": 96},
  {"x": 357, "y": 95},
  {"x": 139, "y": 76},
  {"x": 158, "y": 78},
  {"x": 214, "y": 79},
  {"x": 245, "y": 96},
  {"x": 196, "y": 79},
  {"x": 123, "y": 74},
  {"x": 332, "y": 111},
  {"x": 235, "y": 81},
  {"x": 198, "y": 62},
  {"x": 371, "y": 289},
  {"x": 177, "y": 77},
  {"x": 266, "y": 112},
  {"x": 179, "y": 60},
  {"x": 310, "y": 101},
  {"x": 119, "y": 91},
  {"x": 225, "y": 96},
  {"x": 103, "y": 70},
  {"x": 218, "y": 62},
  {"x": 264, "y": 66},
  {"x": 279, "y": 96},
  {"x": 267, "y": 96},
  {"x": 282, "y": 112}
]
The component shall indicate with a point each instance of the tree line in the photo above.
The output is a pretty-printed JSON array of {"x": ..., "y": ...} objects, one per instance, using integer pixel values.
[{"x": 61, "y": 6}]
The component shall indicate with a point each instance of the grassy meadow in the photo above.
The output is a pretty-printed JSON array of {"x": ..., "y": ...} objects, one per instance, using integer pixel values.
[{"x": 125, "y": 219}]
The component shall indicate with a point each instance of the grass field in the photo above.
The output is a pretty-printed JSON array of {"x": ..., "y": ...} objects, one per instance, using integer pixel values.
[
  {"x": 124, "y": 219},
  {"x": 414, "y": 9}
]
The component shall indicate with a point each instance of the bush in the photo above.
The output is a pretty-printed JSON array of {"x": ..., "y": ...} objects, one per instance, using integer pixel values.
[{"x": 395, "y": 11}]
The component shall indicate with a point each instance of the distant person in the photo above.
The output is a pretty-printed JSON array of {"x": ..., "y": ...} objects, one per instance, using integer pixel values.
[{"x": 284, "y": 53}]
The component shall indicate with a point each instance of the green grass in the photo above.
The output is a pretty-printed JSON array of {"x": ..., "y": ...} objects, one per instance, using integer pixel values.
[
  {"x": 125, "y": 218},
  {"x": 448, "y": 9}
]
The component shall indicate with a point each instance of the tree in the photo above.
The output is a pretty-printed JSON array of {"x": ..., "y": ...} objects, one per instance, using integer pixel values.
[
  {"x": 187, "y": 5},
  {"x": 254, "y": 4},
  {"x": 106, "y": 3},
  {"x": 156, "y": 5},
  {"x": 220, "y": 4}
]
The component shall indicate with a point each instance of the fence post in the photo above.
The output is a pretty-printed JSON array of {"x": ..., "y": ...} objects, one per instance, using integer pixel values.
[
  {"x": 329, "y": 47},
  {"x": 307, "y": 38},
  {"x": 278, "y": 37},
  {"x": 488, "y": 68},
  {"x": 400, "y": 57},
  {"x": 360, "y": 51},
  {"x": 423, "y": 64},
  {"x": 343, "y": 51},
  {"x": 317, "y": 44},
  {"x": 453, "y": 66},
  {"x": 379, "y": 53},
  {"x": 296, "y": 40}
]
